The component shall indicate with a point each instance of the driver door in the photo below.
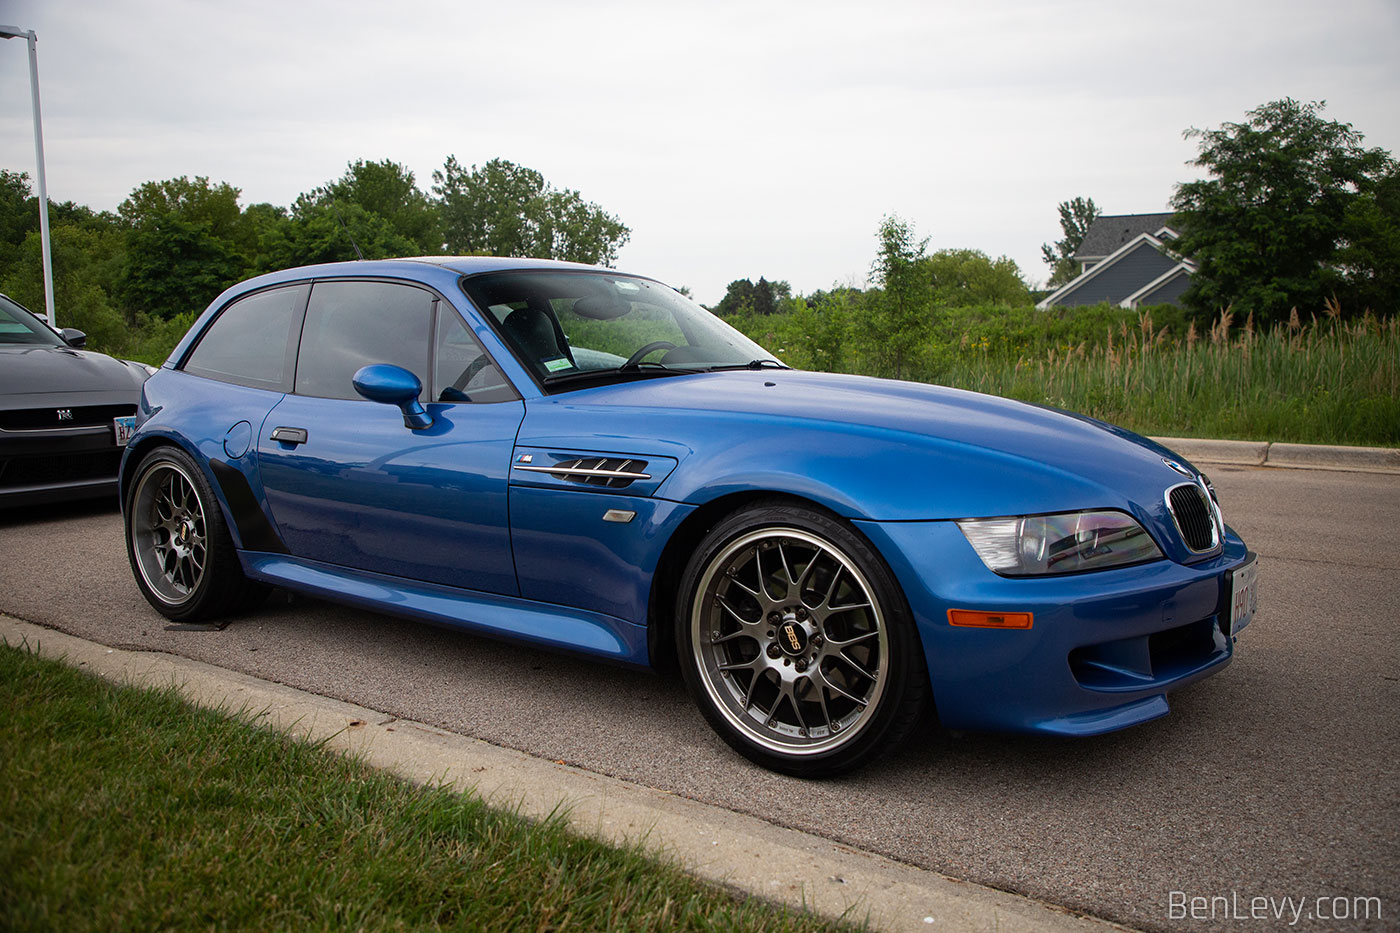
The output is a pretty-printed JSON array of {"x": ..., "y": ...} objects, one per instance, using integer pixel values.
[{"x": 348, "y": 484}]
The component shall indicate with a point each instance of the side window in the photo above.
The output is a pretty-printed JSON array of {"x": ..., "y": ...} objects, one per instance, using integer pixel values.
[
  {"x": 352, "y": 324},
  {"x": 464, "y": 372},
  {"x": 253, "y": 341}
]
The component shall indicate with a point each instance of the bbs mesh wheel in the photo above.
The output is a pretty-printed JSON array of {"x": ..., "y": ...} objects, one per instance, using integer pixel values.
[
  {"x": 180, "y": 549},
  {"x": 796, "y": 642}
]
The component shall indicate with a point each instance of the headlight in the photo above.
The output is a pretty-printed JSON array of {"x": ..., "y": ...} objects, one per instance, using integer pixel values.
[{"x": 1066, "y": 543}]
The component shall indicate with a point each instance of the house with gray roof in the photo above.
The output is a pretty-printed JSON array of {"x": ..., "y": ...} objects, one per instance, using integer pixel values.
[{"x": 1124, "y": 260}]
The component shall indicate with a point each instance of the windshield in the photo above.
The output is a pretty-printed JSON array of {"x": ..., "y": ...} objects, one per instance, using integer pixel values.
[
  {"x": 578, "y": 327},
  {"x": 18, "y": 325}
]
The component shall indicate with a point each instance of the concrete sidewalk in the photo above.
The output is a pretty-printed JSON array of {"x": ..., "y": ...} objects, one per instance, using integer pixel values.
[
  {"x": 718, "y": 845},
  {"x": 1287, "y": 456}
]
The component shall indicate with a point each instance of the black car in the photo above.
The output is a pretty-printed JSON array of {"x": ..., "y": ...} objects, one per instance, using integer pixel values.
[{"x": 65, "y": 412}]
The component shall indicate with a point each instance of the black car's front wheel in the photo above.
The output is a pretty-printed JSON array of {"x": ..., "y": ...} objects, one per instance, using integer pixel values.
[
  {"x": 796, "y": 641},
  {"x": 178, "y": 543}
]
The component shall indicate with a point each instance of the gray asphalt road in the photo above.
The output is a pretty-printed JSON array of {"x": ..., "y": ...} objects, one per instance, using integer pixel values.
[{"x": 1276, "y": 779}]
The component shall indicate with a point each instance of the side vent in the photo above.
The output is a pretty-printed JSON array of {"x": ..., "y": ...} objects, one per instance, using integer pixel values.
[{"x": 612, "y": 472}]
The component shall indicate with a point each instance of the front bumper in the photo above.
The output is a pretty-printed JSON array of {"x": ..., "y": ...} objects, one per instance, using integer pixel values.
[
  {"x": 48, "y": 466},
  {"x": 1104, "y": 649}
]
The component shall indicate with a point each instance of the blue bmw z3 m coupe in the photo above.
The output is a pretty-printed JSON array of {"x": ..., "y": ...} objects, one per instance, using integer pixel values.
[{"x": 585, "y": 460}]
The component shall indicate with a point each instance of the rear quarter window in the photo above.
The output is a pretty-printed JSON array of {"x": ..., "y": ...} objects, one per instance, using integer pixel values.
[{"x": 253, "y": 340}]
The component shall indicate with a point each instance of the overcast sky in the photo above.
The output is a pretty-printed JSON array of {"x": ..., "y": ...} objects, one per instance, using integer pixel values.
[{"x": 735, "y": 139}]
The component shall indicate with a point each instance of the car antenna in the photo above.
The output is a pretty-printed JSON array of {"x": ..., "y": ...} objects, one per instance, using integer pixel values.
[{"x": 336, "y": 207}]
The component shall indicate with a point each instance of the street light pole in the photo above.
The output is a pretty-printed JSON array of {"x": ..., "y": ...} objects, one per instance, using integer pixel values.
[{"x": 14, "y": 32}]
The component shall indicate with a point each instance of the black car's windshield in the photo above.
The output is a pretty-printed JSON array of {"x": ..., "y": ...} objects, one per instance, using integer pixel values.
[
  {"x": 575, "y": 327},
  {"x": 18, "y": 325}
]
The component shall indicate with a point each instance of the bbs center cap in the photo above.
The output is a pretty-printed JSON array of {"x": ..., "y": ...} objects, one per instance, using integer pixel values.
[{"x": 792, "y": 638}]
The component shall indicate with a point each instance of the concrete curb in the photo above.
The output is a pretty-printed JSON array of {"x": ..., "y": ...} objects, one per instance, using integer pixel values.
[
  {"x": 1287, "y": 456},
  {"x": 740, "y": 852}
]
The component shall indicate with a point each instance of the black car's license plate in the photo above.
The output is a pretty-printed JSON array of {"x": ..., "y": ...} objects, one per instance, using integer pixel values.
[{"x": 125, "y": 426}]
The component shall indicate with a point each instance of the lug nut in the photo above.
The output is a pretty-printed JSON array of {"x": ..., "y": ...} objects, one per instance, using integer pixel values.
[
  {"x": 774, "y": 618},
  {"x": 801, "y": 613},
  {"x": 801, "y": 665},
  {"x": 774, "y": 651}
]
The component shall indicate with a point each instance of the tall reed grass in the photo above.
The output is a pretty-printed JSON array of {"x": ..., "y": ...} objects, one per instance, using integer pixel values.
[
  {"x": 1322, "y": 382},
  {"x": 1325, "y": 379}
]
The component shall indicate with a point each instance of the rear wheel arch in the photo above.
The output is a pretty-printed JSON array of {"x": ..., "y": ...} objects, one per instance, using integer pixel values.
[
  {"x": 177, "y": 537},
  {"x": 138, "y": 452}
]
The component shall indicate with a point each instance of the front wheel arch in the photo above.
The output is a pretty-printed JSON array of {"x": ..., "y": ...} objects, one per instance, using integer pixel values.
[{"x": 661, "y": 646}]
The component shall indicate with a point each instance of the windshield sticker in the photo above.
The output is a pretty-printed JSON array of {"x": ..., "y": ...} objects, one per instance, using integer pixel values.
[{"x": 557, "y": 364}]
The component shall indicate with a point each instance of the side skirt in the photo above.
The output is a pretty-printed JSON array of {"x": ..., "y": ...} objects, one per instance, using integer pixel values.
[{"x": 548, "y": 626}]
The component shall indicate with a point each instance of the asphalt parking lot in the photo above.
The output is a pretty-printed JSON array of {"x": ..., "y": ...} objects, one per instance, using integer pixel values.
[{"x": 1276, "y": 779}]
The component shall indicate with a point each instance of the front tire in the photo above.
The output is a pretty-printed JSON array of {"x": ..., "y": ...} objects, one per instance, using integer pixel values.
[
  {"x": 179, "y": 546},
  {"x": 796, "y": 642}
]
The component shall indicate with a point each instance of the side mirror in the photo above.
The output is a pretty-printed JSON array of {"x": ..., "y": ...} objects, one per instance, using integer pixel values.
[
  {"x": 394, "y": 385},
  {"x": 73, "y": 337}
]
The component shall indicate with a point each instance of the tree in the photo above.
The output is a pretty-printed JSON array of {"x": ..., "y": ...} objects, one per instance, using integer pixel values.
[
  {"x": 19, "y": 211},
  {"x": 1269, "y": 230},
  {"x": 186, "y": 241},
  {"x": 744, "y": 297},
  {"x": 1369, "y": 257},
  {"x": 323, "y": 230},
  {"x": 83, "y": 257},
  {"x": 963, "y": 277},
  {"x": 193, "y": 201},
  {"x": 387, "y": 191},
  {"x": 504, "y": 209},
  {"x": 1076, "y": 217},
  {"x": 176, "y": 266},
  {"x": 898, "y": 317}
]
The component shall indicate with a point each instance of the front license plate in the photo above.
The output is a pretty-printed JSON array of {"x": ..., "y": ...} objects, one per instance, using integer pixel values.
[
  {"x": 1244, "y": 595},
  {"x": 126, "y": 426}
]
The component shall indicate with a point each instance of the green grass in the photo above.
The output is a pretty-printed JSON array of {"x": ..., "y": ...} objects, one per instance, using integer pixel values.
[
  {"x": 129, "y": 809},
  {"x": 1326, "y": 384},
  {"x": 1323, "y": 381}
]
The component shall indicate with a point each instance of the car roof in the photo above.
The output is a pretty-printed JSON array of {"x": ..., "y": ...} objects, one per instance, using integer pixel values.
[
  {"x": 468, "y": 265},
  {"x": 409, "y": 266}
]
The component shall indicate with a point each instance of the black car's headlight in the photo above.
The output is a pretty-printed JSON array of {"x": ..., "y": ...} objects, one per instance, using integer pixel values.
[{"x": 1066, "y": 543}]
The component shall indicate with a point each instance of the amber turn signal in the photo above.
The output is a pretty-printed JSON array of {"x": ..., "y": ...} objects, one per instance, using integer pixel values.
[{"x": 970, "y": 619}]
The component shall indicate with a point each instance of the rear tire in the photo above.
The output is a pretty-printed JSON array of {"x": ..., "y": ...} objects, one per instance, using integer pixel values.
[
  {"x": 178, "y": 543},
  {"x": 797, "y": 643}
]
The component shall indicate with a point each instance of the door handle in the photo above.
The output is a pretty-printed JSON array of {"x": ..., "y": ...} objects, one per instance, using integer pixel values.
[{"x": 288, "y": 435}]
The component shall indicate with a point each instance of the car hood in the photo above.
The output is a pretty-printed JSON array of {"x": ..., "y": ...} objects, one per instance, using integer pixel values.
[
  {"x": 27, "y": 372},
  {"x": 878, "y": 448}
]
